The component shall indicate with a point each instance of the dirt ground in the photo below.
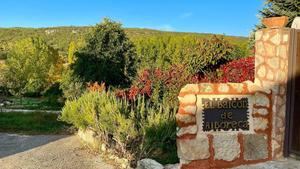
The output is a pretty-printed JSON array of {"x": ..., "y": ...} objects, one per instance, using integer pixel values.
[{"x": 47, "y": 152}]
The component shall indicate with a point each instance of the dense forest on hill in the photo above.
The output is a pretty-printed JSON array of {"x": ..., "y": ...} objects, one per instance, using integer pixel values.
[{"x": 61, "y": 37}]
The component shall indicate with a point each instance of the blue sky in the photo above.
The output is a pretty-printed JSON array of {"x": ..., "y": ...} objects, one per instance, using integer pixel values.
[{"x": 230, "y": 17}]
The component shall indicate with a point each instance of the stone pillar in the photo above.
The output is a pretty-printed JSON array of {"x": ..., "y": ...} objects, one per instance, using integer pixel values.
[{"x": 272, "y": 52}]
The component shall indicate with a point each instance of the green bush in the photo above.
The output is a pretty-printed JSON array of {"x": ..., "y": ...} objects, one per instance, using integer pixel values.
[
  {"x": 71, "y": 85},
  {"x": 109, "y": 56},
  {"x": 208, "y": 53},
  {"x": 134, "y": 130}
]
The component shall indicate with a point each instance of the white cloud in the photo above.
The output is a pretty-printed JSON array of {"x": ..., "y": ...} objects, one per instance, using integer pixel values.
[{"x": 186, "y": 15}]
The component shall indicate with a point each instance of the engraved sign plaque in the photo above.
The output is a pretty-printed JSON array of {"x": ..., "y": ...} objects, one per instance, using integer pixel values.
[{"x": 226, "y": 114}]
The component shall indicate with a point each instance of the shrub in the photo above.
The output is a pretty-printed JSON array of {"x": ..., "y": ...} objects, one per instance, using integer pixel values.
[
  {"x": 109, "y": 56},
  {"x": 71, "y": 85},
  {"x": 236, "y": 71},
  {"x": 158, "y": 85},
  {"x": 130, "y": 129},
  {"x": 29, "y": 65},
  {"x": 209, "y": 53}
]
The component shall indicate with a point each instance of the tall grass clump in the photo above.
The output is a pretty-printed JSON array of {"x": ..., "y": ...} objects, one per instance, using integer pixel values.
[{"x": 133, "y": 129}]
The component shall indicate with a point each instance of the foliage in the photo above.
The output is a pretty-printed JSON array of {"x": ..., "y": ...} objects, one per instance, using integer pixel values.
[
  {"x": 236, "y": 71},
  {"x": 61, "y": 37},
  {"x": 71, "y": 85},
  {"x": 130, "y": 129},
  {"x": 73, "y": 47},
  {"x": 32, "y": 123},
  {"x": 163, "y": 51},
  {"x": 158, "y": 85},
  {"x": 290, "y": 8},
  {"x": 208, "y": 53},
  {"x": 29, "y": 66},
  {"x": 109, "y": 56}
]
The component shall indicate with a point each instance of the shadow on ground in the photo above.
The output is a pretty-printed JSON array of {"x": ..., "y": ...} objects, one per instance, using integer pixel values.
[{"x": 12, "y": 143}]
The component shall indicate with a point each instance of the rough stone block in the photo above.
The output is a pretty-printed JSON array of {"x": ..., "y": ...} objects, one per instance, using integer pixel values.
[
  {"x": 261, "y": 111},
  {"x": 273, "y": 62},
  {"x": 193, "y": 149},
  {"x": 206, "y": 87},
  {"x": 226, "y": 147},
  {"x": 261, "y": 72},
  {"x": 187, "y": 130},
  {"x": 188, "y": 99},
  {"x": 193, "y": 88},
  {"x": 260, "y": 123},
  {"x": 223, "y": 88},
  {"x": 255, "y": 147},
  {"x": 185, "y": 118},
  {"x": 190, "y": 109},
  {"x": 262, "y": 100},
  {"x": 258, "y": 35}
]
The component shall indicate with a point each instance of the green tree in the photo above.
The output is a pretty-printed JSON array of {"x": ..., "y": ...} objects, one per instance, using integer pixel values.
[
  {"x": 109, "y": 56},
  {"x": 290, "y": 8},
  {"x": 71, "y": 51},
  {"x": 29, "y": 65}
]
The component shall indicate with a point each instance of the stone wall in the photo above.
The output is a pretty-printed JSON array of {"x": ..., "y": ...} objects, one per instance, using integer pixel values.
[
  {"x": 267, "y": 100},
  {"x": 271, "y": 62}
]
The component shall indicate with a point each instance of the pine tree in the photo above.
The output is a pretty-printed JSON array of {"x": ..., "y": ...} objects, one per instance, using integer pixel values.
[{"x": 289, "y": 8}]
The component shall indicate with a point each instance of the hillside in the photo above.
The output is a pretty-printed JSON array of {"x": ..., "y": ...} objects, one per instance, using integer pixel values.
[{"x": 60, "y": 37}]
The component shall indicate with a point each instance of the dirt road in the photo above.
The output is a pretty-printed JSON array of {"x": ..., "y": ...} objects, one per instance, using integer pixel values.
[{"x": 46, "y": 152}]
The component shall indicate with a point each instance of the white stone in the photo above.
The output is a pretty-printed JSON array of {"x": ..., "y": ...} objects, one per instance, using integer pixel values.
[
  {"x": 285, "y": 38},
  {"x": 270, "y": 49},
  {"x": 226, "y": 147},
  {"x": 281, "y": 76},
  {"x": 296, "y": 23},
  {"x": 190, "y": 109},
  {"x": 149, "y": 164},
  {"x": 261, "y": 100},
  {"x": 273, "y": 62},
  {"x": 182, "y": 161},
  {"x": 185, "y": 118},
  {"x": 266, "y": 36},
  {"x": 239, "y": 87},
  {"x": 279, "y": 122},
  {"x": 260, "y": 50},
  {"x": 260, "y": 123},
  {"x": 206, "y": 87},
  {"x": 270, "y": 75},
  {"x": 190, "y": 98},
  {"x": 193, "y": 149},
  {"x": 90, "y": 137},
  {"x": 276, "y": 39},
  {"x": 187, "y": 130},
  {"x": 279, "y": 100},
  {"x": 261, "y": 71},
  {"x": 190, "y": 88},
  {"x": 223, "y": 88},
  {"x": 282, "y": 90},
  {"x": 258, "y": 35},
  {"x": 275, "y": 145},
  {"x": 283, "y": 51},
  {"x": 258, "y": 60},
  {"x": 261, "y": 111}
]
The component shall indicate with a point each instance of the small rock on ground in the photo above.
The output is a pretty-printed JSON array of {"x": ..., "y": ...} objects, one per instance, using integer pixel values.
[{"x": 149, "y": 164}]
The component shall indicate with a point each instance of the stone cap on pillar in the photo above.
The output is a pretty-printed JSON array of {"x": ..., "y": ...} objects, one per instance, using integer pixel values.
[{"x": 275, "y": 22}]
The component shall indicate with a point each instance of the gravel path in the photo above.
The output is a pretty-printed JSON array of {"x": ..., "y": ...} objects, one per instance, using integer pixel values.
[
  {"x": 283, "y": 164},
  {"x": 46, "y": 152}
]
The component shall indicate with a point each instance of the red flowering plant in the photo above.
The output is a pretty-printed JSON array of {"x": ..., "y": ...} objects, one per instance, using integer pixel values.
[
  {"x": 236, "y": 71},
  {"x": 156, "y": 84}
]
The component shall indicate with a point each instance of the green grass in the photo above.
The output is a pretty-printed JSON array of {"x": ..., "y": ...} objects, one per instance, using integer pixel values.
[
  {"x": 30, "y": 103},
  {"x": 32, "y": 123}
]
